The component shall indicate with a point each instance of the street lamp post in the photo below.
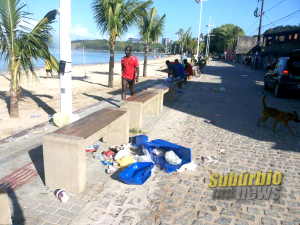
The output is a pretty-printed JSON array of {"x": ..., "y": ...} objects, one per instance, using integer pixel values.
[
  {"x": 208, "y": 37},
  {"x": 65, "y": 57},
  {"x": 199, "y": 1}
]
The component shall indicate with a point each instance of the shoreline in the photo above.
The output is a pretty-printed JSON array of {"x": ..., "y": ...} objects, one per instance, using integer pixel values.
[{"x": 3, "y": 71}]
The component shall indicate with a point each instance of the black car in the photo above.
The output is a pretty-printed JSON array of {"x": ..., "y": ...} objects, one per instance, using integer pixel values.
[{"x": 284, "y": 74}]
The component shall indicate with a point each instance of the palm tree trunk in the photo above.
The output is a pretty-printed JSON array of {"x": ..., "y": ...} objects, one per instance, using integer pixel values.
[
  {"x": 111, "y": 65},
  {"x": 14, "y": 100},
  {"x": 145, "y": 60}
]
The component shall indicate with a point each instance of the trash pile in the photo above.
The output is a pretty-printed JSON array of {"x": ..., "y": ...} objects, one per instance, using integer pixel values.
[{"x": 137, "y": 158}]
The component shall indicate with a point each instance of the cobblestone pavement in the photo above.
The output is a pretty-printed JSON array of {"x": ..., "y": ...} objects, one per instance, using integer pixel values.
[{"x": 185, "y": 198}]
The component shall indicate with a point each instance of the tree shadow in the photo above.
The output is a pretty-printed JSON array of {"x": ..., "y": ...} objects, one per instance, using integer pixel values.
[
  {"x": 99, "y": 98},
  {"x": 17, "y": 215},
  {"x": 40, "y": 103},
  {"x": 6, "y": 99}
]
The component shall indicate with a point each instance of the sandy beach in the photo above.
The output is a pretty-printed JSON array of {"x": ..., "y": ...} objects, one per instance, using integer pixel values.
[{"x": 39, "y": 99}]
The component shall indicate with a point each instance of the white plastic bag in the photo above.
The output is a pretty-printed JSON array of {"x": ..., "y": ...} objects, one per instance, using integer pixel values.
[
  {"x": 189, "y": 166},
  {"x": 172, "y": 158},
  {"x": 143, "y": 158},
  {"x": 61, "y": 119}
]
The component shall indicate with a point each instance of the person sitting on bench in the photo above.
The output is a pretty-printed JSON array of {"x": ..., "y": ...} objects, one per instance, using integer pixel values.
[
  {"x": 180, "y": 68},
  {"x": 188, "y": 69},
  {"x": 173, "y": 73}
]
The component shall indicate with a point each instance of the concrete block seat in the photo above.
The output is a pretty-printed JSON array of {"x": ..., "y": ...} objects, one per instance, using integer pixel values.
[
  {"x": 64, "y": 150},
  {"x": 144, "y": 102},
  {"x": 166, "y": 91}
]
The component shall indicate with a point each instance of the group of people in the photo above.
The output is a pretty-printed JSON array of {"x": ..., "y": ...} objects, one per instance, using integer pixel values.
[
  {"x": 130, "y": 71},
  {"x": 177, "y": 71}
]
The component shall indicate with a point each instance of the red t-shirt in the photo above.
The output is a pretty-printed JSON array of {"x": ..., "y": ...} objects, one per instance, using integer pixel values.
[
  {"x": 128, "y": 66},
  {"x": 188, "y": 69}
]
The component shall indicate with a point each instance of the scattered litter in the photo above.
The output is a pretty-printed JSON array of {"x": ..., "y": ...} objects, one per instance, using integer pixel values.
[
  {"x": 99, "y": 157},
  {"x": 108, "y": 161},
  {"x": 244, "y": 75},
  {"x": 109, "y": 153},
  {"x": 189, "y": 166},
  {"x": 208, "y": 121},
  {"x": 111, "y": 170},
  {"x": 125, "y": 161},
  {"x": 260, "y": 92},
  {"x": 203, "y": 88},
  {"x": 35, "y": 116},
  {"x": 26, "y": 136},
  {"x": 172, "y": 158},
  {"x": 210, "y": 159},
  {"x": 221, "y": 89},
  {"x": 92, "y": 148},
  {"x": 61, "y": 119},
  {"x": 122, "y": 153},
  {"x": 218, "y": 115},
  {"x": 62, "y": 195},
  {"x": 222, "y": 151},
  {"x": 180, "y": 92},
  {"x": 224, "y": 105},
  {"x": 219, "y": 96}
]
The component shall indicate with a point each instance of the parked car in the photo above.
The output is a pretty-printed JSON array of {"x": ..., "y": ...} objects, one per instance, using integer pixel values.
[{"x": 284, "y": 74}]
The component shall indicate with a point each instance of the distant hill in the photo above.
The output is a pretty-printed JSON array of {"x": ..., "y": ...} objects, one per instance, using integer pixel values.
[{"x": 104, "y": 45}]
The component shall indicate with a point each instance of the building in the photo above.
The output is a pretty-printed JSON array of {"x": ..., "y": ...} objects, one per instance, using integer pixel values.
[{"x": 165, "y": 41}]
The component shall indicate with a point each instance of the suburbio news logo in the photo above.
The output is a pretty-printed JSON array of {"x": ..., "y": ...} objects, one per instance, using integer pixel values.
[{"x": 246, "y": 186}]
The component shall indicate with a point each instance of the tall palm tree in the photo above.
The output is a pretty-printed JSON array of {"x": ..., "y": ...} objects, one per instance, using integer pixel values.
[
  {"x": 151, "y": 28},
  {"x": 116, "y": 17},
  {"x": 183, "y": 37},
  {"x": 21, "y": 45}
]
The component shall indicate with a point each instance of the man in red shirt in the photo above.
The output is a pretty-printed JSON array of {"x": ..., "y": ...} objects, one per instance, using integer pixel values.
[
  {"x": 188, "y": 69},
  {"x": 130, "y": 71}
]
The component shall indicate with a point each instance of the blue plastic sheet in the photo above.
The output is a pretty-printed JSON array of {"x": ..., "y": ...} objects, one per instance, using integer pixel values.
[{"x": 183, "y": 153}]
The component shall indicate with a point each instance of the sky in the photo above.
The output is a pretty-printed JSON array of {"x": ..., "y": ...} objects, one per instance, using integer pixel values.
[{"x": 180, "y": 14}]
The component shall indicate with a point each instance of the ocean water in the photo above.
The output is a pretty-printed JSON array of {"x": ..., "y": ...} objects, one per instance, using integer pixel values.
[{"x": 91, "y": 57}]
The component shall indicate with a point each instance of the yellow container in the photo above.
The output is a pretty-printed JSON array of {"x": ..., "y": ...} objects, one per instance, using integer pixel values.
[{"x": 125, "y": 161}]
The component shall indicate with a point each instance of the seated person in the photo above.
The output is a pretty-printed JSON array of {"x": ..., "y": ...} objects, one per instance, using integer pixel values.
[
  {"x": 188, "y": 69},
  {"x": 180, "y": 69},
  {"x": 173, "y": 73}
]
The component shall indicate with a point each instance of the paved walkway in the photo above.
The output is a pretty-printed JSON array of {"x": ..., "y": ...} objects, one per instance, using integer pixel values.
[{"x": 176, "y": 198}]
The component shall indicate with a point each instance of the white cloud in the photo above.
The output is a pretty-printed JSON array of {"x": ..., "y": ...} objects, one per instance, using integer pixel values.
[{"x": 81, "y": 32}]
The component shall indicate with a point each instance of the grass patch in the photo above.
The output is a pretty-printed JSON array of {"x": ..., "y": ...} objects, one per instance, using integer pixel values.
[{"x": 136, "y": 131}]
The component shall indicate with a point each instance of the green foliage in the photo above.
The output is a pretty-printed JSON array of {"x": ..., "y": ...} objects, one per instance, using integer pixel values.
[
  {"x": 282, "y": 29},
  {"x": 224, "y": 36},
  {"x": 103, "y": 45}
]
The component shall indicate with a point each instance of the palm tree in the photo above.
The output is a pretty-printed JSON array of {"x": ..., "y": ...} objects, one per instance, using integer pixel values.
[
  {"x": 21, "y": 45},
  {"x": 151, "y": 27},
  {"x": 183, "y": 38},
  {"x": 116, "y": 17}
]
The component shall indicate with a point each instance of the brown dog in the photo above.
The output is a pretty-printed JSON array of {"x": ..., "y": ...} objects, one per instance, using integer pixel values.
[{"x": 278, "y": 116}]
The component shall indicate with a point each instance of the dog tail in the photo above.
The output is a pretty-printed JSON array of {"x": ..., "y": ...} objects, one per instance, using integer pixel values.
[{"x": 263, "y": 101}]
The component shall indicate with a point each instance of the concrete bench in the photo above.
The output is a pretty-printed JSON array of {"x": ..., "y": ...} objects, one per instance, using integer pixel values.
[
  {"x": 4, "y": 207},
  {"x": 65, "y": 149},
  {"x": 144, "y": 102},
  {"x": 166, "y": 92}
]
